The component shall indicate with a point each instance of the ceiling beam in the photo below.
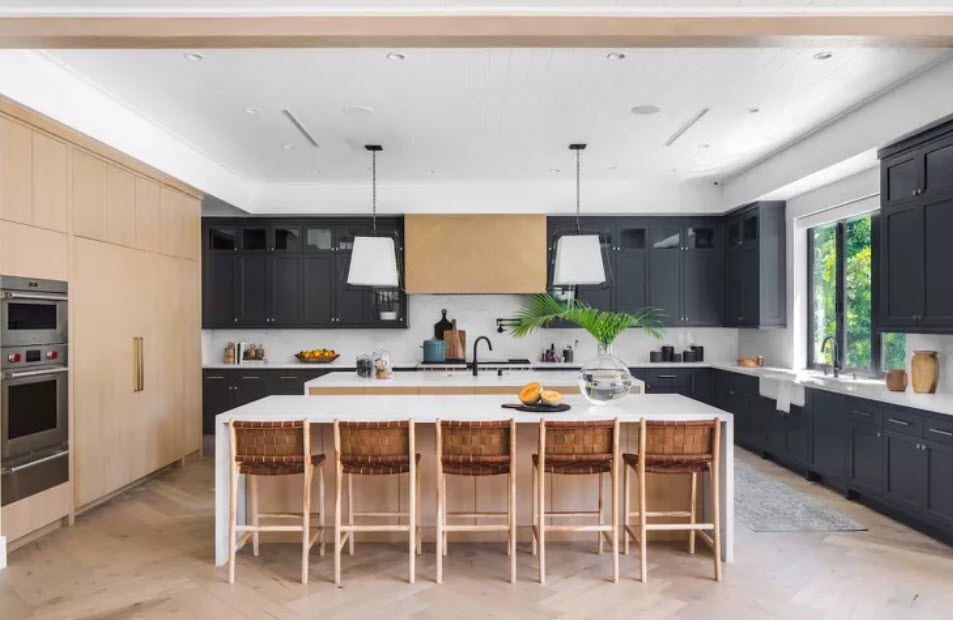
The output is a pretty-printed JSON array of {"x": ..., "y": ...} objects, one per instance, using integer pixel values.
[{"x": 475, "y": 31}]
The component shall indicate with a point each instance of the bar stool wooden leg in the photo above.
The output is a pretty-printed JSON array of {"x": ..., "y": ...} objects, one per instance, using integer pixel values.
[
  {"x": 321, "y": 535},
  {"x": 540, "y": 524},
  {"x": 626, "y": 509},
  {"x": 306, "y": 520},
  {"x": 438, "y": 537},
  {"x": 350, "y": 513},
  {"x": 535, "y": 507},
  {"x": 232, "y": 517},
  {"x": 643, "y": 542},
  {"x": 417, "y": 511},
  {"x": 602, "y": 493},
  {"x": 444, "y": 543},
  {"x": 253, "y": 508},
  {"x": 614, "y": 503},
  {"x": 412, "y": 502},
  {"x": 716, "y": 500},
  {"x": 692, "y": 519},
  {"x": 512, "y": 518},
  {"x": 338, "y": 486}
]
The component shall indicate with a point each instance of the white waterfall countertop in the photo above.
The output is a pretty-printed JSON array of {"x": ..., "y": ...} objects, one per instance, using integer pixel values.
[{"x": 451, "y": 378}]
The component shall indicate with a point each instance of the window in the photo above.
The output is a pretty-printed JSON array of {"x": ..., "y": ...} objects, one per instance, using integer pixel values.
[{"x": 841, "y": 298}]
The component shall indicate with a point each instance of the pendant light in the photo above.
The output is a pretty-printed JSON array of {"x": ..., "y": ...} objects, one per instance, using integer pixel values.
[
  {"x": 578, "y": 256},
  {"x": 373, "y": 258}
]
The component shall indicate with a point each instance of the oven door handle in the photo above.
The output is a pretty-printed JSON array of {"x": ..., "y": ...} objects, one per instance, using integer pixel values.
[
  {"x": 35, "y": 373},
  {"x": 49, "y": 457},
  {"x": 39, "y": 296}
]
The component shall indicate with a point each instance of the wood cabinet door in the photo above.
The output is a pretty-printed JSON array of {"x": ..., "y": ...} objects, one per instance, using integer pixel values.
[
  {"x": 903, "y": 270},
  {"x": 50, "y": 183},
  {"x": 317, "y": 289},
  {"x": 938, "y": 258},
  {"x": 147, "y": 214},
  {"x": 189, "y": 347},
  {"x": 867, "y": 453},
  {"x": 89, "y": 195},
  {"x": 120, "y": 224},
  {"x": 170, "y": 216},
  {"x": 905, "y": 471},
  {"x": 16, "y": 172},
  {"x": 253, "y": 306}
]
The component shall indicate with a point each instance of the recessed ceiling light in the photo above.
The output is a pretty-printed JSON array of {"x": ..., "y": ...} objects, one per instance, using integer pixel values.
[
  {"x": 704, "y": 146},
  {"x": 395, "y": 56},
  {"x": 289, "y": 147},
  {"x": 315, "y": 172},
  {"x": 554, "y": 170},
  {"x": 752, "y": 110},
  {"x": 251, "y": 110},
  {"x": 644, "y": 110},
  {"x": 615, "y": 56},
  {"x": 613, "y": 167},
  {"x": 430, "y": 171},
  {"x": 823, "y": 55},
  {"x": 194, "y": 56}
]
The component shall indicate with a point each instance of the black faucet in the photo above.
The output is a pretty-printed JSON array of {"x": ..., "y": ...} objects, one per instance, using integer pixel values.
[
  {"x": 835, "y": 367},
  {"x": 476, "y": 367}
]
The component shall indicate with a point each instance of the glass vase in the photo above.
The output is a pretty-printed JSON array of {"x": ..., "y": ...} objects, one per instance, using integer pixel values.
[{"x": 605, "y": 378}]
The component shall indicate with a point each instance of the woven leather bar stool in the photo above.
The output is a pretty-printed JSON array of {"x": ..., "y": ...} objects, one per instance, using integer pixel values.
[
  {"x": 273, "y": 449},
  {"x": 667, "y": 447},
  {"x": 475, "y": 449},
  {"x": 375, "y": 449},
  {"x": 576, "y": 449}
]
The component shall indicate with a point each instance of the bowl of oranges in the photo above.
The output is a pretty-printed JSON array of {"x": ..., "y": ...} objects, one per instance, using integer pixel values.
[{"x": 317, "y": 356}]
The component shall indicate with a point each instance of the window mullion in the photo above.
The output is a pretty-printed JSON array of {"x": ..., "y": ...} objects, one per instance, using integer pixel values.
[{"x": 840, "y": 302}]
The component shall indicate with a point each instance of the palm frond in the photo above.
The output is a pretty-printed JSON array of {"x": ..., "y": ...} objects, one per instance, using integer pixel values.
[{"x": 542, "y": 309}]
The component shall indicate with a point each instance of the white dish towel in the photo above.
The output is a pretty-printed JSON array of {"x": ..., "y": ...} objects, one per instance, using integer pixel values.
[{"x": 783, "y": 402}]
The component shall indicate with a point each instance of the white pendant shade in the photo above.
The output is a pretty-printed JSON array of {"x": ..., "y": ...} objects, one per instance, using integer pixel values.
[
  {"x": 578, "y": 261},
  {"x": 373, "y": 263}
]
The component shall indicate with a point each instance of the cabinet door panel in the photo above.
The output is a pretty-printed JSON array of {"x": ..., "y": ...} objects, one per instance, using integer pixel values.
[
  {"x": 16, "y": 172},
  {"x": 938, "y": 258},
  {"x": 216, "y": 399},
  {"x": 734, "y": 289},
  {"x": 351, "y": 306},
  {"x": 939, "y": 490},
  {"x": 318, "y": 289},
  {"x": 665, "y": 270},
  {"x": 89, "y": 195},
  {"x": 286, "y": 289},
  {"x": 251, "y": 387},
  {"x": 750, "y": 288},
  {"x": 830, "y": 443},
  {"x": 938, "y": 166},
  {"x": 867, "y": 453},
  {"x": 903, "y": 265},
  {"x": 905, "y": 481},
  {"x": 219, "y": 290},
  {"x": 631, "y": 280},
  {"x": 797, "y": 434},
  {"x": 253, "y": 289},
  {"x": 703, "y": 290},
  {"x": 120, "y": 225},
  {"x": 50, "y": 183},
  {"x": 900, "y": 178},
  {"x": 147, "y": 214}
]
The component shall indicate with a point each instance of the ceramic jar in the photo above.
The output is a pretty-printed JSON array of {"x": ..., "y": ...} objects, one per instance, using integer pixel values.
[
  {"x": 925, "y": 370},
  {"x": 896, "y": 380}
]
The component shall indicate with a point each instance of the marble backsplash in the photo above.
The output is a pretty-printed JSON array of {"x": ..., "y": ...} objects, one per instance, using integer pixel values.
[{"x": 477, "y": 315}]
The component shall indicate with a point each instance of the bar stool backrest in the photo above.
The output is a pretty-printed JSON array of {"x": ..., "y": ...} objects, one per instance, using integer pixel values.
[
  {"x": 590, "y": 438},
  {"x": 476, "y": 440},
  {"x": 673, "y": 438},
  {"x": 269, "y": 442},
  {"x": 375, "y": 441}
]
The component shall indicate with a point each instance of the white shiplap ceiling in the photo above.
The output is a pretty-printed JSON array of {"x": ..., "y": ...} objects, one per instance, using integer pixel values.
[{"x": 491, "y": 114}]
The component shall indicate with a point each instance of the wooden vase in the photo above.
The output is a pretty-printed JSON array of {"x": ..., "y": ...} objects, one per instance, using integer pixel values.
[
  {"x": 925, "y": 370},
  {"x": 896, "y": 380}
]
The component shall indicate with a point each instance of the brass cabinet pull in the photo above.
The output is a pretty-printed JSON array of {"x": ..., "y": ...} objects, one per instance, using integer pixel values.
[{"x": 138, "y": 365}]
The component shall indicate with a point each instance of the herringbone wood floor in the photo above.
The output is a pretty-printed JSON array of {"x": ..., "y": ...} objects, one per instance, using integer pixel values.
[{"x": 148, "y": 554}]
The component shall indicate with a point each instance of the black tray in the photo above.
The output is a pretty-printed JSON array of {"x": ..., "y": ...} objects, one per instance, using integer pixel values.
[{"x": 538, "y": 408}]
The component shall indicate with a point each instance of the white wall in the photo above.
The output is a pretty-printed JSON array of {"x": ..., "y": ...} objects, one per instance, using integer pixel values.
[{"x": 474, "y": 313}]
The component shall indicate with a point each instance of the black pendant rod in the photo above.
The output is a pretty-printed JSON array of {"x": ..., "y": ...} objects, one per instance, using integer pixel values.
[
  {"x": 374, "y": 149},
  {"x": 577, "y": 148}
]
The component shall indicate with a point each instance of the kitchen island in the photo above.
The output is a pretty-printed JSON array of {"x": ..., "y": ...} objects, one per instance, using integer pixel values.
[{"x": 485, "y": 493}]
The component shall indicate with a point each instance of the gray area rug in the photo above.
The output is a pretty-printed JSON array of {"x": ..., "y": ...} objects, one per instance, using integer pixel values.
[{"x": 766, "y": 505}]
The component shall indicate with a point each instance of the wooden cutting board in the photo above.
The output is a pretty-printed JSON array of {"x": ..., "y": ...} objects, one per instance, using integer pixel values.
[{"x": 456, "y": 340}]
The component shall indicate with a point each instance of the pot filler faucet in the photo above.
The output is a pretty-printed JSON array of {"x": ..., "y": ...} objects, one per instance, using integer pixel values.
[{"x": 476, "y": 366}]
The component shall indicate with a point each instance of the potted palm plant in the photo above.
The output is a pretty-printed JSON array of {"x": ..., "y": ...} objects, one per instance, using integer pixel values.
[{"x": 604, "y": 378}]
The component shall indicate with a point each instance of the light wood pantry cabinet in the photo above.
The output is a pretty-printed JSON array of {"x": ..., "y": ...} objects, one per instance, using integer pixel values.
[
  {"x": 34, "y": 183},
  {"x": 136, "y": 364}
]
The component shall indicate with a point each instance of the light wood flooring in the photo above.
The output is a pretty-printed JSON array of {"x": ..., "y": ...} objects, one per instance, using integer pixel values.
[{"x": 148, "y": 554}]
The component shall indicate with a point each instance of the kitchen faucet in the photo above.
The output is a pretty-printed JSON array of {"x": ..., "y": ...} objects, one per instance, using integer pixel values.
[
  {"x": 835, "y": 366},
  {"x": 475, "y": 343}
]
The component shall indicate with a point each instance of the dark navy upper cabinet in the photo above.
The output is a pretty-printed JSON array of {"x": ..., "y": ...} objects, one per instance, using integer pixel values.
[
  {"x": 916, "y": 186},
  {"x": 755, "y": 276},
  {"x": 284, "y": 272}
]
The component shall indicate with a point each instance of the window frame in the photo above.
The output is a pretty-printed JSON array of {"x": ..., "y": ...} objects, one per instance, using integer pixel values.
[{"x": 840, "y": 269}]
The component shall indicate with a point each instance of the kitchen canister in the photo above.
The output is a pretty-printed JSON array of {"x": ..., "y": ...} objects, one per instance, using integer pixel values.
[{"x": 924, "y": 371}]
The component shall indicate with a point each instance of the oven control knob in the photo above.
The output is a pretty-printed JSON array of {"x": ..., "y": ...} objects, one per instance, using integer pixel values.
[
  {"x": 52, "y": 355},
  {"x": 14, "y": 357}
]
